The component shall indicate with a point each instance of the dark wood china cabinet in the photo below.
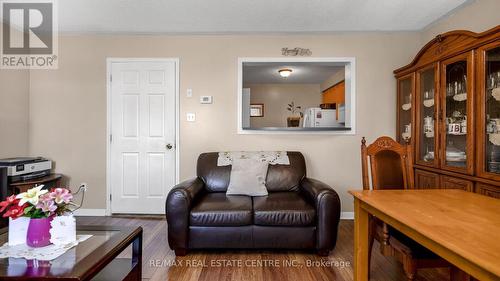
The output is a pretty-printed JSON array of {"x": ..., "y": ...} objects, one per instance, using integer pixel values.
[{"x": 448, "y": 108}]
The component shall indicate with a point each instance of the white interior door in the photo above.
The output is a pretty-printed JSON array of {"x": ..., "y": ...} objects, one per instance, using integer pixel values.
[{"x": 142, "y": 143}]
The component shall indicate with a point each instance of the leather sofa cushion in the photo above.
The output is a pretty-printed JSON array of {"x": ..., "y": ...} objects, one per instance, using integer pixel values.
[
  {"x": 283, "y": 209},
  {"x": 217, "y": 209},
  {"x": 286, "y": 177},
  {"x": 279, "y": 177},
  {"x": 216, "y": 178}
]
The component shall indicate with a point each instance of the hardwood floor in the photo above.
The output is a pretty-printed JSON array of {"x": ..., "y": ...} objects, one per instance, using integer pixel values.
[{"x": 160, "y": 263}]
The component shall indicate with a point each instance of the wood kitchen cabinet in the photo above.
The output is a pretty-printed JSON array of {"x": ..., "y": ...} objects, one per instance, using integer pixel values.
[
  {"x": 426, "y": 180},
  {"x": 430, "y": 180},
  {"x": 488, "y": 190},
  {"x": 453, "y": 85},
  {"x": 488, "y": 115},
  {"x": 457, "y": 183},
  {"x": 427, "y": 133},
  {"x": 456, "y": 114},
  {"x": 405, "y": 102}
]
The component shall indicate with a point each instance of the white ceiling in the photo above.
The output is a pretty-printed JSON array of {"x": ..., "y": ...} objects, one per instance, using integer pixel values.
[
  {"x": 249, "y": 16},
  {"x": 302, "y": 73}
]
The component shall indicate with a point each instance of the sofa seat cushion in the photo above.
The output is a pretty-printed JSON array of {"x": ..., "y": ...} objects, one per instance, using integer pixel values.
[
  {"x": 217, "y": 209},
  {"x": 283, "y": 209}
]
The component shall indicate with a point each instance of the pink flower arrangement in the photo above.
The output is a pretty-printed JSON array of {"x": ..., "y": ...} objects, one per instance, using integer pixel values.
[
  {"x": 38, "y": 203},
  {"x": 61, "y": 195},
  {"x": 46, "y": 203}
]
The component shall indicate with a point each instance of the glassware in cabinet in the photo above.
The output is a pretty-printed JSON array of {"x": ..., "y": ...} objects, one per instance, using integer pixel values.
[
  {"x": 457, "y": 113},
  {"x": 492, "y": 111},
  {"x": 426, "y": 143},
  {"x": 405, "y": 108}
]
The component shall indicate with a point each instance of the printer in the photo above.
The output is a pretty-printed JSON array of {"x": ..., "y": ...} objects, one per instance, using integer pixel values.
[{"x": 26, "y": 168}]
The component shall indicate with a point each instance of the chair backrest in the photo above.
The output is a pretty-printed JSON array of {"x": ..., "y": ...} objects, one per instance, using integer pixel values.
[
  {"x": 390, "y": 164},
  {"x": 279, "y": 177}
]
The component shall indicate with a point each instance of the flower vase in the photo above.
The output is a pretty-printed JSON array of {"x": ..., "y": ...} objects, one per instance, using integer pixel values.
[
  {"x": 39, "y": 232},
  {"x": 36, "y": 268},
  {"x": 18, "y": 229}
]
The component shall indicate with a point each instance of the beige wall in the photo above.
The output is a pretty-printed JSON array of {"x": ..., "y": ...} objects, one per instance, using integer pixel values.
[
  {"x": 477, "y": 16},
  {"x": 275, "y": 98},
  {"x": 14, "y": 112},
  {"x": 68, "y": 106}
]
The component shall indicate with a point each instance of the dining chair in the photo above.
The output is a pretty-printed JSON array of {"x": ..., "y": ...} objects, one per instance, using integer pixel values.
[{"x": 386, "y": 164}]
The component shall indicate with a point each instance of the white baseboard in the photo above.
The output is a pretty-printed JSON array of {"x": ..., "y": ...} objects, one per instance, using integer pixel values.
[
  {"x": 90, "y": 212},
  {"x": 347, "y": 216}
]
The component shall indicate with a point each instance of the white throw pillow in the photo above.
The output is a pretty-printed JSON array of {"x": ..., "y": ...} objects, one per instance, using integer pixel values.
[{"x": 248, "y": 177}]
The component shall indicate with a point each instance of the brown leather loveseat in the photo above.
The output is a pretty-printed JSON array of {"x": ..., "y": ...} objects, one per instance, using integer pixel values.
[{"x": 298, "y": 213}]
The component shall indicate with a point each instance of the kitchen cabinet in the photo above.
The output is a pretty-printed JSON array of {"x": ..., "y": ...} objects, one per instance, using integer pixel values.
[
  {"x": 488, "y": 115},
  {"x": 405, "y": 102},
  {"x": 488, "y": 190},
  {"x": 427, "y": 134},
  {"x": 453, "y": 86},
  {"x": 453, "y": 182},
  {"x": 426, "y": 180}
]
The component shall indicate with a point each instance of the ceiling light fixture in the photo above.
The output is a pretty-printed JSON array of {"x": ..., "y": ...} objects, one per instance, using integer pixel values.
[{"x": 285, "y": 72}]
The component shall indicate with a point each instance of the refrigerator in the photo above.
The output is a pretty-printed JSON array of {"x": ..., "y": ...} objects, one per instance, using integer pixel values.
[{"x": 317, "y": 117}]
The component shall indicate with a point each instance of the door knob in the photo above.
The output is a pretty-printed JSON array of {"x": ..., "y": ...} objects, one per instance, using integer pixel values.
[{"x": 169, "y": 146}]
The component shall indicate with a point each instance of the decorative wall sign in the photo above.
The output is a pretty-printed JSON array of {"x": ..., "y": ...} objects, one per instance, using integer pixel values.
[{"x": 296, "y": 52}]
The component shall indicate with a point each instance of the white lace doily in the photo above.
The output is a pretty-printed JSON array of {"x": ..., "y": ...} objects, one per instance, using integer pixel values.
[
  {"x": 273, "y": 157},
  {"x": 46, "y": 253}
]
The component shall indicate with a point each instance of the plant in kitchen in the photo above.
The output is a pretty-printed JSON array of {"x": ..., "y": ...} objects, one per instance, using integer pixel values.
[{"x": 294, "y": 120}]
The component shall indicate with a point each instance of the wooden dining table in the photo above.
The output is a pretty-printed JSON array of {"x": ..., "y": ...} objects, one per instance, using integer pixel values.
[{"x": 461, "y": 227}]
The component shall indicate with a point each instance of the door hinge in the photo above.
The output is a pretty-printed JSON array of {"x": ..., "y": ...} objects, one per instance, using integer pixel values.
[
  {"x": 110, "y": 197},
  {"x": 110, "y": 78},
  {"x": 110, "y": 138}
]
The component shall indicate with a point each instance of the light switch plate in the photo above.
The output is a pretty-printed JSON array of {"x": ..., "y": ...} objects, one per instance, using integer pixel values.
[
  {"x": 191, "y": 117},
  {"x": 189, "y": 93},
  {"x": 206, "y": 99}
]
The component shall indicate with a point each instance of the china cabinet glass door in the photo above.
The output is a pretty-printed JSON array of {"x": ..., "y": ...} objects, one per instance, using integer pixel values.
[
  {"x": 489, "y": 111},
  {"x": 405, "y": 108},
  {"x": 456, "y": 116},
  {"x": 426, "y": 131}
]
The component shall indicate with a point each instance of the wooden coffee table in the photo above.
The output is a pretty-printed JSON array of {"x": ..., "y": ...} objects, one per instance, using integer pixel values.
[{"x": 101, "y": 257}]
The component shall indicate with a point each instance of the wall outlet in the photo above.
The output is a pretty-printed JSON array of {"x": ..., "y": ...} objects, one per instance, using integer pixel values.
[
  {"x": 191, "y": 117},
  {"x": 189, "y": 93},
  {"x": 83, "y": 186}
]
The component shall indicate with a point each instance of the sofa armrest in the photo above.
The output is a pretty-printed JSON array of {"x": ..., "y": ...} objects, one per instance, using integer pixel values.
[
  {"x": 327, "y": 203},
  {"x": 177, "y": 207}
]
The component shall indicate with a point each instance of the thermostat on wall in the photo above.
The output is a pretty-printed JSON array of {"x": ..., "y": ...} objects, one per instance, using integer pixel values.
[{"x": 206, "y": 99}]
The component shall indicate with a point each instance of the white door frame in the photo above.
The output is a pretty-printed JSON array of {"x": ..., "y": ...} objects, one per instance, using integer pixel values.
[{"x": 109, "y": 62}]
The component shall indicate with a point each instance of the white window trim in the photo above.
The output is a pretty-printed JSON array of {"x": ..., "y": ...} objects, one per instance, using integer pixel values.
[{"x": 350, "y": 82}]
